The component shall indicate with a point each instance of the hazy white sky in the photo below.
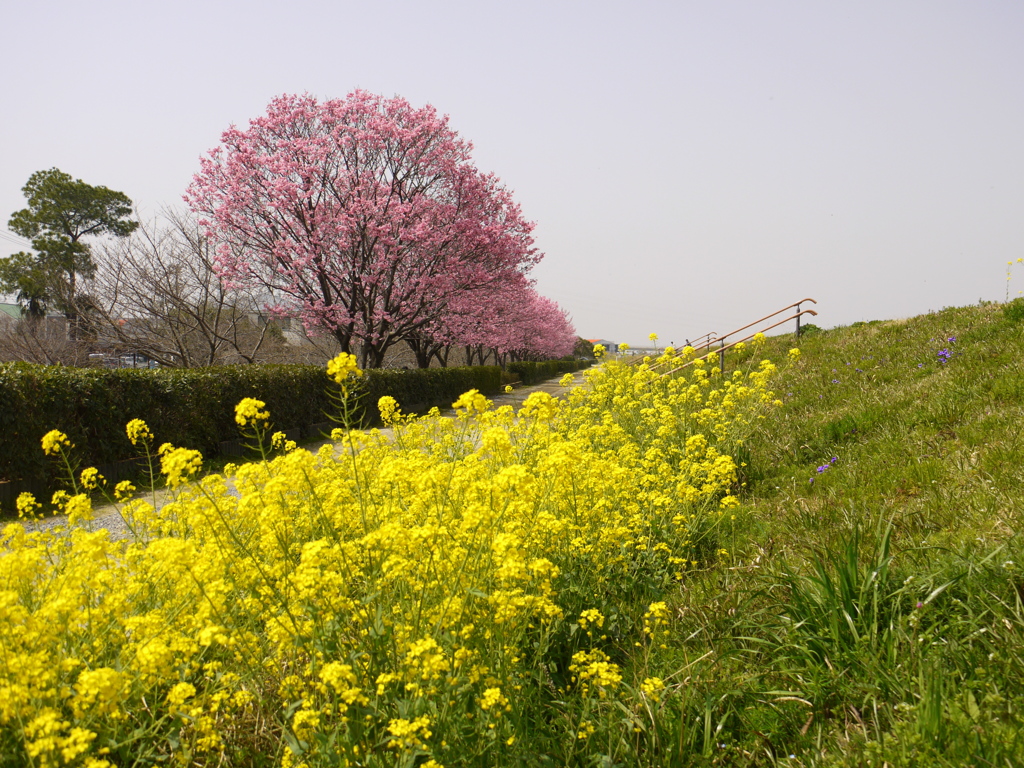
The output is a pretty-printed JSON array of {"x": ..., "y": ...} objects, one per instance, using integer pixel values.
[{"x": 690, "y": 165}]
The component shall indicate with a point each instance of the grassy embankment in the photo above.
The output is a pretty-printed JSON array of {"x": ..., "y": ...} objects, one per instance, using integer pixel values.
[{"x": 872, "y": 608}]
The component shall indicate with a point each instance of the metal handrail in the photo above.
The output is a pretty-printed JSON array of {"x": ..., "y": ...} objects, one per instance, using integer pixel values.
[
  {"x": 766, "y": 317},
  {"x": 712, "y": 338},
  {"x": 721, "y": 352}
]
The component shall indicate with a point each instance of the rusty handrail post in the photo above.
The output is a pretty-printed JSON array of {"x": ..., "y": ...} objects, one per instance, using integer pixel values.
[
  {"x": 721, "y": 358},
  {"x": 707, "y": 338},
  {"x": 798, "y": 320}
]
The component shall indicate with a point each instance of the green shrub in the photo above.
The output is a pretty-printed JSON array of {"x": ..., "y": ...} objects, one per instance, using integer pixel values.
[
  {"x": 533, "y": 373},
  {"x": 192, "y": 408},
  {"x": 421, "y": 389}
]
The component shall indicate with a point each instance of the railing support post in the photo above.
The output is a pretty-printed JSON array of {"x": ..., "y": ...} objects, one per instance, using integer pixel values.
[
  {"x": 798, "y": 321},
  {"x": 721, "y": 358}
]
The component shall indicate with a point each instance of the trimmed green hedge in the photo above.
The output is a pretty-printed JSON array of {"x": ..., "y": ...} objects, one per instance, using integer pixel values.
[
  {"x": 193, "y": 408},
  {"x": 533, "y": 373},
  {"x": 420, "y": 389}
]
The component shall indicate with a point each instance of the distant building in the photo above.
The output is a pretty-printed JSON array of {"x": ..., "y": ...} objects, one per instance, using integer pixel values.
[
  {"x": 12, "y": 311},
  {"x": 52, "y": 327}
]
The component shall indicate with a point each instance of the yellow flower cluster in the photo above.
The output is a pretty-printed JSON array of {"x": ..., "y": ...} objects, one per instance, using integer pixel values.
[
  {"x": 249, "y": 412},
  {"x": 344, "y": 367},
  {"x": 179, "y": 464},
  {"x": 138, "y": 432},
  {"x": 471, "y": 402},
  {"x": 389, "y": 410},
  {"x": 396, "y": 597},
  {"x": 593, "y": 670},
  {"x": 54, "y": 441},
  {"x": 655, "y": 618},
  {"x": 27, "y": 506},
  {"x": 90, "y": 478},
  {"x": 653, "y": 687}
]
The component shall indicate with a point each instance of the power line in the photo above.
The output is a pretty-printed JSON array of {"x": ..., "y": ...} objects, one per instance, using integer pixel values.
[{"x": 13, "y": 238}]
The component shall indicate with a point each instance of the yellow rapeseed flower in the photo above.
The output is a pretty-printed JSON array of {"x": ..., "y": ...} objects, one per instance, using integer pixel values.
[
  {"x": 179, "y": 464},
  {"x": 344, "y": 367},
  {"x": 388, "y": 407},
  {"x": 472, "y": 401},
  {"x": 493, "y": 698},
  {"x": 138, "y": 430},
  {"x": 98, "y": 690},
  {"x": 248, "y": 412},
  {"x": 90, "y": 478},
  {"x": 409, "y": 734},
  {"x": 124, "y": 490},
  {"x": 179, "y": 694},
  {"x": 540, "y": 405},
  {"x": 54, "y": 441},
  {"x": 451, "y": 546},
  {"x": 591, "y": 616},
  {"x": 652, "y": 688},
  {"x": 27, "y": 506},
  {"x": 78, "y": 508}
]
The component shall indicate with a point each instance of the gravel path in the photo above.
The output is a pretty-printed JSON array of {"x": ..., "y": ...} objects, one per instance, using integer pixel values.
[{"x": 107, "y": 516}]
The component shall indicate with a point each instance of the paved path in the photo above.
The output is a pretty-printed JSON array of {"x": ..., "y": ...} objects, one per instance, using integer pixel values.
[{"x": 107, "y": 516}]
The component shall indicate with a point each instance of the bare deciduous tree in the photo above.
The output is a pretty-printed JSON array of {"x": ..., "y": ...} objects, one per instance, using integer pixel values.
[
  {"x": 42, "y": 340},
  {"x": 156, "y": 292}
]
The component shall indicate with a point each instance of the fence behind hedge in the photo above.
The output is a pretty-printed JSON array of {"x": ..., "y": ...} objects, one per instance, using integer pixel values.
[{"x": 193, "y": 408}]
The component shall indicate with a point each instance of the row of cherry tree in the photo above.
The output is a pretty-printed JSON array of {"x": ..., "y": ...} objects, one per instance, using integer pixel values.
[{"x": 367, "y": 216}]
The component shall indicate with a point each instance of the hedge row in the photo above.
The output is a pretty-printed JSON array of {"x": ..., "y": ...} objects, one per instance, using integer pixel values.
[
  {"x": 533, "y": 373},
  {"x": 187, "y": 407}
]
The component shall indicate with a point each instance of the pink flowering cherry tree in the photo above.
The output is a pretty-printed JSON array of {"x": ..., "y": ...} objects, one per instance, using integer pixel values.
[
  {"x": 507, "y": 320},
  {"x": 537, "y": 329},
  {"x": 365, "y": 216}
]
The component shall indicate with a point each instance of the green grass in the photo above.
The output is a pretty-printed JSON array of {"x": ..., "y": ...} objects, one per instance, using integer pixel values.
[{"x": 869, "y": 613}]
